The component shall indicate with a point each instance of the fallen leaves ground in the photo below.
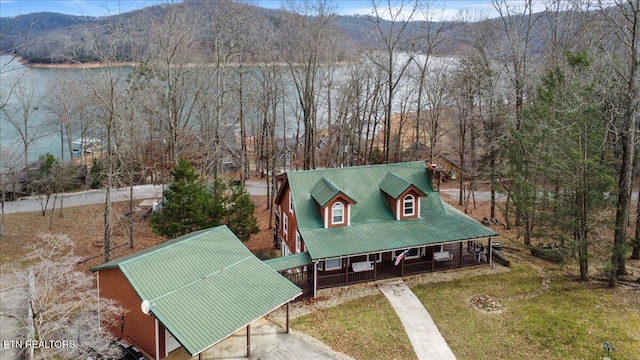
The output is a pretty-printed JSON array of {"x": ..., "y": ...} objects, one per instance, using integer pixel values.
[{"x": 85, "y": 225}]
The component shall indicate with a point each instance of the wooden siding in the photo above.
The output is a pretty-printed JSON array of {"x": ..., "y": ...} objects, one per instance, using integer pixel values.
[
  {"x": 162, "y": 337},
  {"x": 392, "y": 204},
  {"x": 292, "y": 225},
  {"x": 139, "y": 329},
  {"x": 416, "y": 204}
]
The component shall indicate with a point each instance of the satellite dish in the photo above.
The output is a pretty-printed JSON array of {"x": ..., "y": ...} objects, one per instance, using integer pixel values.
[{"x": 145, "y": 307}]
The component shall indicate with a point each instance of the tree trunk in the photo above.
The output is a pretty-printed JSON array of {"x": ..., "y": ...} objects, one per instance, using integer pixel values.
[
  {"x": 131, "y": 215},
  {"x": 635, "y": 254},
  {"x": 631, "y": 10},
  {"x": 107, "y": 200}
]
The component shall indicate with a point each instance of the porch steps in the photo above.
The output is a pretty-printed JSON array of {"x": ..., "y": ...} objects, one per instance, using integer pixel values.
[{"x": 425, "y": 337}]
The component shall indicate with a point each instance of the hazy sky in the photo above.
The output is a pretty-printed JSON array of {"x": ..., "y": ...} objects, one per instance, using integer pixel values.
[{"x": 442, "y": 8}]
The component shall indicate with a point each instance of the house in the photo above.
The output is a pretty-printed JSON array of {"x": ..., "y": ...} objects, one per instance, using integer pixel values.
[
  {"x": 417, "y": 150},
  {"x": 356, "y": 224},
  {"x": 193, "y": 291},
  {"x": 449, "y": 167}
]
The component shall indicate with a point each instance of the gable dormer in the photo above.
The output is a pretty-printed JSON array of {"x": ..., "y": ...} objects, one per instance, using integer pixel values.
[
  {"x": 402, "y": 195},
  {"x": 333, "y": 203}
]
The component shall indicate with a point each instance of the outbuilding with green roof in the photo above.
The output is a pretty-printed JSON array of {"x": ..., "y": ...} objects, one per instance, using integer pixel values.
[{"x": 192, "y": 291}]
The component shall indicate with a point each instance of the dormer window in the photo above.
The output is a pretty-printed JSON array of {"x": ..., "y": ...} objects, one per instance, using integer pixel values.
[
  {"x": 337, "y": 213},
  {"x": 409, "y": 205},
  {"x": 334, "y": 204}
]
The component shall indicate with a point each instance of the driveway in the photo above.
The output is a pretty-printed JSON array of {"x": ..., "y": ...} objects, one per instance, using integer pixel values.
[
  {"x": 92, "y": 197},
  {"x": 268, "y": 342}
]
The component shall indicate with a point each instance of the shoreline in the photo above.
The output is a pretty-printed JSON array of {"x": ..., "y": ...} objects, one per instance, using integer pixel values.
[
  {"x": 70, "y": 65},
  {"x": 97, "y": 64}
]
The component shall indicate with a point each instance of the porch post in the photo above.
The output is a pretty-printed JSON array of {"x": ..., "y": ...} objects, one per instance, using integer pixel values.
[
  {"x": 249, "y": 340},
  {"x": 157, "y": 329},
  {"x": 346, "y": 271},
  {"x": 288, "y": 327},
  {"x": 402, "y": 267},
  {"x": 375, "y": 266},
  {"x": 490, "y": 253},
  {"x": 460, "y": 257},
  {"x": 315, "y": 277}
]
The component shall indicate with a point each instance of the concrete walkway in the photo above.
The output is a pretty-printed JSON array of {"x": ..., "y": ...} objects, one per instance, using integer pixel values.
[{"x": 425, "y": 337}]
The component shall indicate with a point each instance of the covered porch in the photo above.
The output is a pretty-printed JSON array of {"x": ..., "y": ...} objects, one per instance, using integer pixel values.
[{"x": 418, "y": 260}]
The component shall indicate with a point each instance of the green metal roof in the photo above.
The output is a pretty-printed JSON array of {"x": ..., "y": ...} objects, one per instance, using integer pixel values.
[
  {"x": 394, "y": 185},
  {"x": 289, "y": 262},
  {"x": 373, "y": 226},
  {"x": 204, "y": 286},
  {"x": 325, "y": 190}
]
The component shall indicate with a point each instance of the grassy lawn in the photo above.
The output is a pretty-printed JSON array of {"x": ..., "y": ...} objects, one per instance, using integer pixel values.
[
  {"x": 568, "y": 320},
  {"x": 367, "y": 328}
]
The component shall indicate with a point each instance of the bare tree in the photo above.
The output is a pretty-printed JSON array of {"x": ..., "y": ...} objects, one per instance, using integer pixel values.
[
  {"x": 394, "y": 37},
  {"x": 437, "y": 95},
  {"x": 427, "y": 41},
  {"x": 517, "y": 20},
  {"x": 466, "y": 101},
  {"x": 20, "y": 115},
  {"x": 8, "y": 157},
  {"x": 69, "y": 105},
  {"x": 171, "y": 64},
  {"x": 109, "y": 92},
  {"x": 59, "y": 302},
  {"x": 309, "y": 28}
]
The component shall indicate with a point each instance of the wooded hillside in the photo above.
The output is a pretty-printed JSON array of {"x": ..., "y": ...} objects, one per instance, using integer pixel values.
[{"x": 542, "y": 107}]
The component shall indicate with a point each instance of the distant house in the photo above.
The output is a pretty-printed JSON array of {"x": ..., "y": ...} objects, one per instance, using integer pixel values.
[
  {"x": 356, "y": 224},
  {"x": 449, "y": 167},
  {"x": 192, "y": 291},
  {"x": 417, "y": 150}
]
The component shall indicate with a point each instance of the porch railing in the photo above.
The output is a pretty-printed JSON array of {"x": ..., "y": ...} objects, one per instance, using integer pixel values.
[
  {"x": 418, "y": 267},
  {"x": 326, "y": 281},
  {"x": 409, "y": 268}
]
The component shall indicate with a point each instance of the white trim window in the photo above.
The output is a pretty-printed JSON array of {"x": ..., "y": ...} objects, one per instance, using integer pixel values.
[
  {"x": 337, "y": 213},
  {"x": 290, "y": 202},
  {"x": 377, "y": 257},
  {"x": 298, "y": 243},
  {"x": 409, "y": 205},
  {"x": 333, "y": 264},
  {"x": 285, "y": 224},
  {"x": 285, "y": 249}
]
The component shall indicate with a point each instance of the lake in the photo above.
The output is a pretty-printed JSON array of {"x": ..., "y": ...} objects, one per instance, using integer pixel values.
[
  {"x": 35, "y": 85},
  {"x": 36, "y": 82}
]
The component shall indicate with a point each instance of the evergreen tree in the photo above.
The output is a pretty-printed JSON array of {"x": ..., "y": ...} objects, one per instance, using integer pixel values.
[
  {"x": 556, "y": 158},
  {"x": 190, "y": 204},
  {"x": 187, "y": 205},
  {"x": 241, "y": 219}
]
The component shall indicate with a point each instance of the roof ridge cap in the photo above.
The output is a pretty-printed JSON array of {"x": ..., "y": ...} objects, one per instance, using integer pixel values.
[
  {"x": 331, "y": 184},
  {"x": 174, "y": 242}
]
